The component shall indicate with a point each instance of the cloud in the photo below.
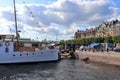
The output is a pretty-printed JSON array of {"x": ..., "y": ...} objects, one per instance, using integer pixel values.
[
  {"x": 59, "y": 17},
  {"x": 81, "y": 11}
]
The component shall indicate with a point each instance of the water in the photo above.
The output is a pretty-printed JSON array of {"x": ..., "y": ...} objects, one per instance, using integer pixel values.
[{"x": 63, "y": 70}]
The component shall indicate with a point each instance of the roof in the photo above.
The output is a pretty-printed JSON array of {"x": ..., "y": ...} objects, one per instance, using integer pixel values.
[{"x": 27, "y": 40}]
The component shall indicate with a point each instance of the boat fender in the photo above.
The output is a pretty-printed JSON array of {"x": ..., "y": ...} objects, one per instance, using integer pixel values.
[{"x": 7, "y": 43}]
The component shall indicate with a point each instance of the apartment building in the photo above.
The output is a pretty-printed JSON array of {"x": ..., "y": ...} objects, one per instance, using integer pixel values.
[{"x": 110, "y": 28}]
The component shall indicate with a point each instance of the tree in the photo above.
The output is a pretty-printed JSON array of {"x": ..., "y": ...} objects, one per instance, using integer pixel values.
[{"x": 108, "y": 39}]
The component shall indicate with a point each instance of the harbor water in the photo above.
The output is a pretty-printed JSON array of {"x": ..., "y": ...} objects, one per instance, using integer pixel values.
[{"x": 65, "y": 69}]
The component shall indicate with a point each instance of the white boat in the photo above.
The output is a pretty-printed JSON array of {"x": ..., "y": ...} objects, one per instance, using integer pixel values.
[{"x": 8, "y": 54}]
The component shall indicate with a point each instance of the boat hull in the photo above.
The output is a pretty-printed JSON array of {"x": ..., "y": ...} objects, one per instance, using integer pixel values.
[{"x": 26, "y": 57}]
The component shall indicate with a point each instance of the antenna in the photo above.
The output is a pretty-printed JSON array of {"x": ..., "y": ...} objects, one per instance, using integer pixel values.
[{"x": 16, "y": 25}]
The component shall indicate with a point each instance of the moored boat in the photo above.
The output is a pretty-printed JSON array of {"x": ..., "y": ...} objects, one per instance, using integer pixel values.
[{"x": 9, "y": 54}]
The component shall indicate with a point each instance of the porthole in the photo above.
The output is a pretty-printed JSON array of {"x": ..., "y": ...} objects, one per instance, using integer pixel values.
[
  {"x": 13, "y": 55},
  {"x": 41, "y": 52},
  {"x": 20, "y": 54},
  {"x": 27, "y": 54},
  {"x": 51, "y": 52}
]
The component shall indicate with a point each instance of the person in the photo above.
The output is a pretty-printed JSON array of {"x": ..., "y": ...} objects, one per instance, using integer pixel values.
[
  {"x": 93, "y": 50},
  {"x": 102, "y": 50},
  {"x": 107, "y": 49},
  {"x": 81, "y": 48}
]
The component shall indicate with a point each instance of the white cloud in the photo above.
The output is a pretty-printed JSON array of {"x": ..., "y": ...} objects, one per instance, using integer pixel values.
[
  {"x": 60, "y": 17},
  {"x": 71, "y": 30}
]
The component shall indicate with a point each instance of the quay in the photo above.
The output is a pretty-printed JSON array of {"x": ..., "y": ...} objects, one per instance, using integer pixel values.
[{"x": 111, "y": 58}]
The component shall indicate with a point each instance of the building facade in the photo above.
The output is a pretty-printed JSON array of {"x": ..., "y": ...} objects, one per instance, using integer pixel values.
[{"x": 111, "y": 28}]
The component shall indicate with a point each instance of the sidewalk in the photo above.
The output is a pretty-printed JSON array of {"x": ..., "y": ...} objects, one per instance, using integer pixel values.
[{"x": 112, "y": 58}]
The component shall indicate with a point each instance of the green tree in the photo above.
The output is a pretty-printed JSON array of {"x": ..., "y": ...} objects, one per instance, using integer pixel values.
[{"x": 108, "y": 39}]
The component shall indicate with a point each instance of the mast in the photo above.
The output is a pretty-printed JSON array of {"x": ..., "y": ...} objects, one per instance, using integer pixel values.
[{"x": 16, "y": 26}]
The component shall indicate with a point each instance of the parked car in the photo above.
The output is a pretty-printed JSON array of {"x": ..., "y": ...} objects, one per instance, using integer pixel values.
[{"x": 117, "y": 49}]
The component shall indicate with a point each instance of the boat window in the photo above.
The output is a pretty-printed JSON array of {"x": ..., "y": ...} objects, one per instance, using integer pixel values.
[
  {"x": 41, "y": 52},
  {"x": 0, "y": 37},
  {"x": 35, "y": 45},
  {"x": 7, "y": 50},
  {"x": 0, "y": 45}
]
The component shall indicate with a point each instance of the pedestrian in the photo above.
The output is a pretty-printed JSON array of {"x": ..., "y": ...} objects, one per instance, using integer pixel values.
[
  {"x": 107, "y": 49},
  {"x": 93, "y": 50},
  {"x": 102, "y": 50}
]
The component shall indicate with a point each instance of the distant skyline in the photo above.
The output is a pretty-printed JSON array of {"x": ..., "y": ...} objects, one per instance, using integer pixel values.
[{"x": 55, "y": 19}]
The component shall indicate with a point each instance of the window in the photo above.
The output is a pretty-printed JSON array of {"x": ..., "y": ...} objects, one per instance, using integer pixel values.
[
  {"x": 7, "y": 50},
  {"x": 35, "y": 45},
  {"x": 0, "y": 44}
]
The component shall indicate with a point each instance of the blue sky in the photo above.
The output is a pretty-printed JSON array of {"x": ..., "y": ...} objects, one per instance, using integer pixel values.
[
  {"x": 117, "y": 3},
  {"x": 10, "y": 2},
  {"x": 40, "y": 19}
]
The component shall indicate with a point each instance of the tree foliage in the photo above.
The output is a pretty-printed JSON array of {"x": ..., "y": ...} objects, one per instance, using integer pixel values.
[{"x": 87, "y": 41}]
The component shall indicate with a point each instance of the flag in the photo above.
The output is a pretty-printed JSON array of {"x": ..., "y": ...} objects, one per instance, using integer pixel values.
[
  {"x": 10, "y": 29},
  {"x": 27, "y": 7},
  {"x": 23, "y": 2},
  {"x": 30, "y": 12}
]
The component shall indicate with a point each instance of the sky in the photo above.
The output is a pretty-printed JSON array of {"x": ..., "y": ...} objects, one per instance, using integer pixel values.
[{"x": 55, "y": 19}]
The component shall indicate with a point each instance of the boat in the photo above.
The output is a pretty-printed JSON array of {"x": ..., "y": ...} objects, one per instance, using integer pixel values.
[
  {"x": 10, "y": 50},
  {"x": 9, "y": 54}
]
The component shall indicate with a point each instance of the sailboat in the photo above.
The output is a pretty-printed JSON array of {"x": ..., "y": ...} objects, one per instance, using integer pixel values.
[{"x": 11, "y": 53}]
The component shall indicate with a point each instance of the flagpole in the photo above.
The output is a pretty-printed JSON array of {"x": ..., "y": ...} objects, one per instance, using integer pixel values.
[{"x": 16, "y": 25}]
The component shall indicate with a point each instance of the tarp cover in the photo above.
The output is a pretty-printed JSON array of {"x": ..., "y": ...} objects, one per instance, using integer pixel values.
[{"x": 94, "y": 44}]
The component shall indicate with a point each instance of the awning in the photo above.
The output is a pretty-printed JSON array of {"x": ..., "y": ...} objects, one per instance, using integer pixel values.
[{"x": 94, "y": 44}]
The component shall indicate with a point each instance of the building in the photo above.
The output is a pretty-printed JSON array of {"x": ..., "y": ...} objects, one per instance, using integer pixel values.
[{"x": 110, "y": 28}]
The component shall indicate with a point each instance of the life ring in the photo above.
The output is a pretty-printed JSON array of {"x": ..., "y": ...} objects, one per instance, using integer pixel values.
[{"x": 7, "y": 43}]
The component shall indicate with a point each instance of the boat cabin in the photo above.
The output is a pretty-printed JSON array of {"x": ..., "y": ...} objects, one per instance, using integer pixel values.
[{"x": 8, "y": 43}]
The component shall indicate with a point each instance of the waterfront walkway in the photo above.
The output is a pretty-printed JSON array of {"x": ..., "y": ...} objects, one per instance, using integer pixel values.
[{"x": 112, "y": 58}]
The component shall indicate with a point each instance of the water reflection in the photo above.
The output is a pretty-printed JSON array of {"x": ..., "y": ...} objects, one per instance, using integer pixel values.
[{"x": 63, "y": 70}]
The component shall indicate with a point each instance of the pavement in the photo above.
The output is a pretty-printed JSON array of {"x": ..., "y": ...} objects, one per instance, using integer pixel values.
[{"x": 112, "y": 58}]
